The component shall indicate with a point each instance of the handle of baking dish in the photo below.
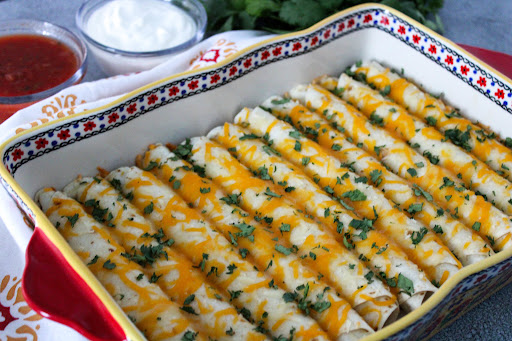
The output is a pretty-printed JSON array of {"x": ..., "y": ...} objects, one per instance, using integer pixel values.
[{"x": 55, "y": 291}]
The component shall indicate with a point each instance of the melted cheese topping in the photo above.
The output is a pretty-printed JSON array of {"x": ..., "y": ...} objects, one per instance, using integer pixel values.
[
  {"x": 263, "y": 200},
  {"x": 399, "y": 157},
  {"x": 287, "y": 270},
  {"x": 179, "y": 279},
  {"x": 423, "y": 105},
  {"x": 368, "y": 202},
  {"x": 150, "y": 309},
  {"x": 394, "y": 118},
  {"x": 373, "y": 247},
  {"x": 467, "y": 245},
  {"x": 212, "y": 253}
]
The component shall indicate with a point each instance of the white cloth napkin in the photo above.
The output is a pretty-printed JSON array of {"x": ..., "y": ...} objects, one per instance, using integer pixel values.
[{"x": 77, "y": 99}]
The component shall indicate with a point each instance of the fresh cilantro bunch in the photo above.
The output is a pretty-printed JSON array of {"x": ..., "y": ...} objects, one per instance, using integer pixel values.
[{"x": 281, "y": 16}]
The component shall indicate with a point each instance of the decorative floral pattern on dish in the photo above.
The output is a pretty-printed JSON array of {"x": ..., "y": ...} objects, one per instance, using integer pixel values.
[{"x": 68, "y": 133}]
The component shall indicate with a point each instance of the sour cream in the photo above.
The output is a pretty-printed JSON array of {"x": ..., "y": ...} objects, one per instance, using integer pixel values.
[{"x": 140, "y": 25}]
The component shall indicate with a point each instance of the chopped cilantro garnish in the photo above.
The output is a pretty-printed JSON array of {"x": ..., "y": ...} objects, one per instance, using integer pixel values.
[
  {"x": 284, "y": 228},
  {"x": 419, "y": 191},
  {"x": 447, "y": 183},
  {"x": 189, "y": 336},
  {"x": 149, "y": 208},
  {"x": 295, "y": 134},
  {"x": 72, "y": 219},
  {"x": 269, "y": 150},
  {"x": 280, "y": 101},
  {"x": 231, "y": 269},
  {"x": 269, "y": 193},
  {"x": 369, "y": 277},
  {"x": 431, "y": 121},
  {"x": 355, "y": 195},
  {"x": 232, "y": 199},
  {"x": 415, "y": 208},
  {"x": 412, "y": 172},
  {"x": 154, "y": 278},
  {"x": 417, "y": 236},
  {"x": 476, "y": 226},
  {"x": 405, "y": 284},
  {"x": 347, "y": 244},
  {"x": 234, "y": 294},
  {"x": 243, "y": 252},
  {"x": 375, "y": 176},
  {"x": 151, "y": 165},
  {"x": 377, "y": 149},
  {"x": 362, "y": 179},
  {"x": 184, "y": 150},
  {"x": 176, "y": 184},
  {"x": 386, "y": 90},
  {"x": 437, "y": 229},
  {"x": 94, "y": 260},
  {"x": 376, "y": 120},
  {"x": 248, "y": 137},
  {"x": 285, "y": 250},
  {"x": 202, "y": 264},
  {"x": 336, "y": 147},
  {"x": 460, "y": 138},
  {"x": 109, "y": 265},
  {"x": 434, "y": 159}
]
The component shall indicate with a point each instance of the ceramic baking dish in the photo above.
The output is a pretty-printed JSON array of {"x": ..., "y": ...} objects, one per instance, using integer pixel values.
[{"x": 57, "y": 284}]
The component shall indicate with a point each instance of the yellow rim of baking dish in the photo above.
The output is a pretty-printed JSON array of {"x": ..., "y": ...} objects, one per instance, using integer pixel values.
[{"x": 128, "y": 327}]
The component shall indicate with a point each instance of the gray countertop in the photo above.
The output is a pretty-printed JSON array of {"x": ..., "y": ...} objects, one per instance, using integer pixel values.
[{"x": 486, "y": 24}]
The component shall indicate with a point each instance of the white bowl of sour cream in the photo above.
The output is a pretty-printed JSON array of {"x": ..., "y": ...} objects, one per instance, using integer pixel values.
[{"x": 128, "y": 36}]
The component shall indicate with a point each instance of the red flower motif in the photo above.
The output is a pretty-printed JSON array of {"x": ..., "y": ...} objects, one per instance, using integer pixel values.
[
  {"x": 432, "y": 49},
  {"x": 464, "y": 69},
  {"x": 173, "y": 91},
  {"x": 41, "y": 143},
  {"x": 351, "y": 23},
  {"x": 401, "y": 30},
  {"x": 276, "y": 51},
  {"x": 500, "y": 94},
  {"x": 193, "y": 85},
  {"x": 416, "y": 38},
  {"x": 327, "y": 34},
  {"x": 152, "y": 99},
  {"x": 296, "y": 46},
  {"x": 449, "y": 60},
  {"x": 265, "y": 54},
  {"x": 131, "y": 109},
  {"x": 384, "y": 21},
  {"x": 480, "y": 278},
  {"x": 89, "y": 126},
  {"x": 314, "y": 41},
  {"x": 113, "y": 117},
  {"x": 17, "y": 154},
  {"x": 233, "y": 70},
  {"x": 248, "y": 62},
  {"x": 63, "y": 134},
  {"x": 215, "y": 78},
  {"x": 481, "y": 81},
  {"x": 367, "y": 18},
  {"x": 341, "y": 27}
]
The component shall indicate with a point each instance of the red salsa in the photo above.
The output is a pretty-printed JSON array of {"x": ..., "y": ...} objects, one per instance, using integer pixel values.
[{"x": 33, "y": 63}]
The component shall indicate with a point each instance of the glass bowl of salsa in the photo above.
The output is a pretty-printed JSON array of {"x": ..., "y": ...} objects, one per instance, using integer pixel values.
[{"x": 37, "y": 60}]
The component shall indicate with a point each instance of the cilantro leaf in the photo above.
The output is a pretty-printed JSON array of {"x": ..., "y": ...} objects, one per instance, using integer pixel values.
[{"x": 355, "y": 195}]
